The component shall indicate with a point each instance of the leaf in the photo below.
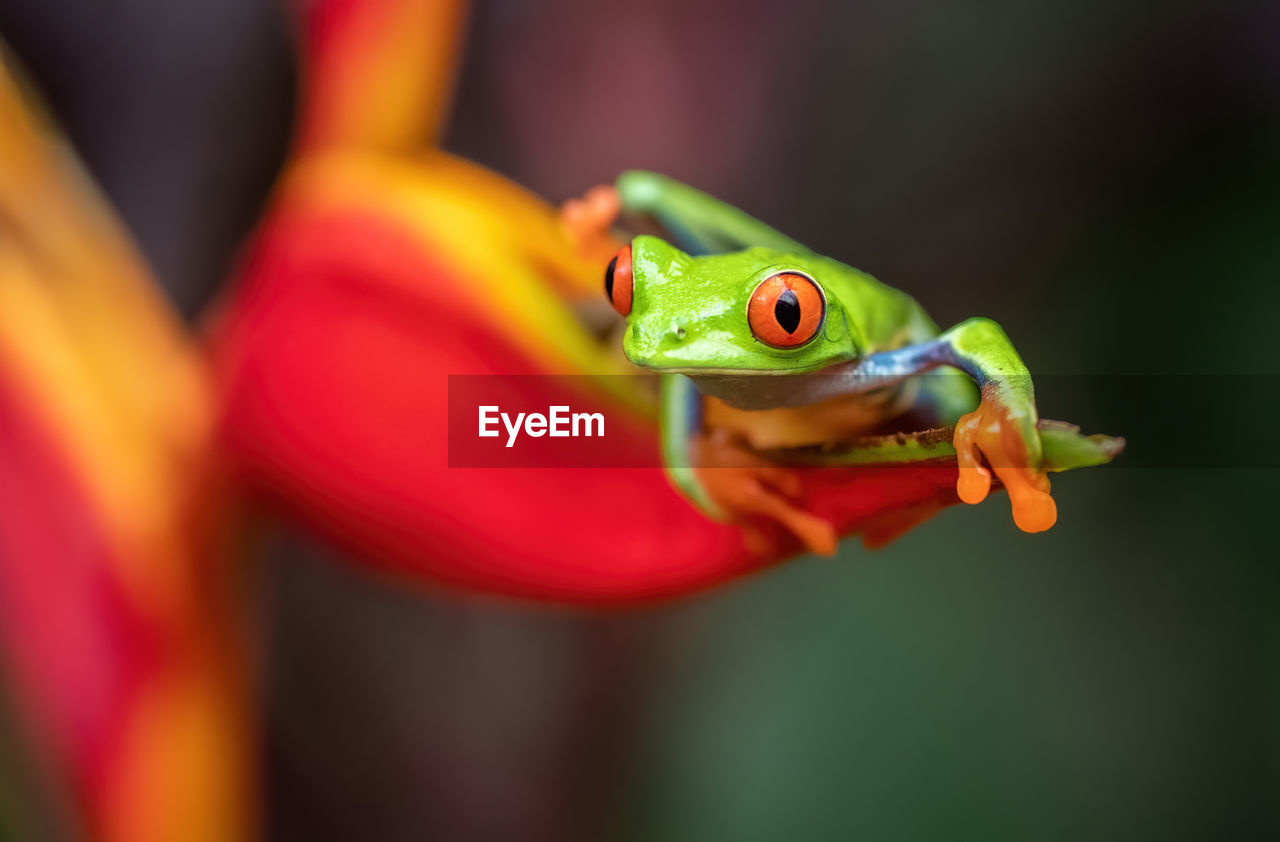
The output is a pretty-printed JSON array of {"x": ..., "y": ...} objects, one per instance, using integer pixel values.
[{"x": 1065, "y": 448}]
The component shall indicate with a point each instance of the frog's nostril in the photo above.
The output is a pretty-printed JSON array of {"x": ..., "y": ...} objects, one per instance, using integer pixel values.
[{"x": 679, "y": 333}]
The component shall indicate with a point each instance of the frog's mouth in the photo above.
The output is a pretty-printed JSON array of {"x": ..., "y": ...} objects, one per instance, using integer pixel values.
[{"x": 772, "y": 389}]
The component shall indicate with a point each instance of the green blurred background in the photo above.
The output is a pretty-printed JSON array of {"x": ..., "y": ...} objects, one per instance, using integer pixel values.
[{"x": 1102, "y": 178}]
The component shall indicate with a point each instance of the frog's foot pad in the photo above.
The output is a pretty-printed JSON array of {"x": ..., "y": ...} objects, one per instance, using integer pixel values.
[
  {"x": 990, "y": 432},
  {"x": 743, "y": 486},
  {"x": 589, "y": 222}
]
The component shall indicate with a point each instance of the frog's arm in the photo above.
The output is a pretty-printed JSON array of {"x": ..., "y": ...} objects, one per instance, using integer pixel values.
[
  {"x": 699, "y": 224},
  {"x": 980, "y": 349},
  {"x": 1002, "y": 428}
]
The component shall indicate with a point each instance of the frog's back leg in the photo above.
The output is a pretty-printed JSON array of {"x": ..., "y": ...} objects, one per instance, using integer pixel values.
[{"x": 699, "y": 223}]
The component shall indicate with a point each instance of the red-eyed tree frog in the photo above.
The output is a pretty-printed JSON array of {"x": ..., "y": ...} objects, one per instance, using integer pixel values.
[{"x": 763, "y": 344}]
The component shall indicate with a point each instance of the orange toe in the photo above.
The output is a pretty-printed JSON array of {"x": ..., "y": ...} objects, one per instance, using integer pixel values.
[
  {"x": 973, "y": 484},
  {"x": 589, "y": 221},
  {"x": 1033, "y": 509}
]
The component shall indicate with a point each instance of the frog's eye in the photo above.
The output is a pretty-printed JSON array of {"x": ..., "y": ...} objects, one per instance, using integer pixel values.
[
  {"x": 618, "y": 281},
  {"x": 786, "y": 310}
]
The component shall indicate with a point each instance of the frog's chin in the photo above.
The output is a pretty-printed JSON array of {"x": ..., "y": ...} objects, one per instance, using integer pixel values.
[
  {"x": 749, "y": 389},
  {"x": 698, "y": 371}
]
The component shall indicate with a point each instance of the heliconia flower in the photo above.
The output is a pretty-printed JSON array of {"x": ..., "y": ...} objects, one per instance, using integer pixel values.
[
  {"x": 112, "y": 603},
  {"x": 385, "y": 267}
]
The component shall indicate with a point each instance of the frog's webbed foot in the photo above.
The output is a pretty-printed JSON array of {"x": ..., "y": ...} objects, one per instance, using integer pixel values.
[
  {"x": 744, "y": 485},
  {"x": 1010, "y": 444},
  {"x": 589, "y": 222}
]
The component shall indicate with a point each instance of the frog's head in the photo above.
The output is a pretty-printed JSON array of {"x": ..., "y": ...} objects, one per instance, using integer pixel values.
[{"x": 757, "y": 311}]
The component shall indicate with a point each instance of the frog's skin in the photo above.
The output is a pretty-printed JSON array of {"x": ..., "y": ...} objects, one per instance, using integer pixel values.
[{"x": 687, "y": 318}]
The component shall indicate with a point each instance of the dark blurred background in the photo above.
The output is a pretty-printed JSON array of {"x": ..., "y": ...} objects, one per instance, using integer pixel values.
[{"x": 1102, "y": 178}]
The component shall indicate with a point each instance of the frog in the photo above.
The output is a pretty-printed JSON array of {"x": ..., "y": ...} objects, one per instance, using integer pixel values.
[{"x": 761, "y": 344}]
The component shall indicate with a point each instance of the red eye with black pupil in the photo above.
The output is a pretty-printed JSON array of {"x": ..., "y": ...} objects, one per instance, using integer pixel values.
[
  {"x": 618, "y": 281},
  {"x": 786, "y": 310}
]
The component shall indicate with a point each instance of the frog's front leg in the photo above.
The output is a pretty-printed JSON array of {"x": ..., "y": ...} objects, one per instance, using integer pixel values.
[
  {"x": 1003, "y": 426},
  {"x": 728, "y": 481}
]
